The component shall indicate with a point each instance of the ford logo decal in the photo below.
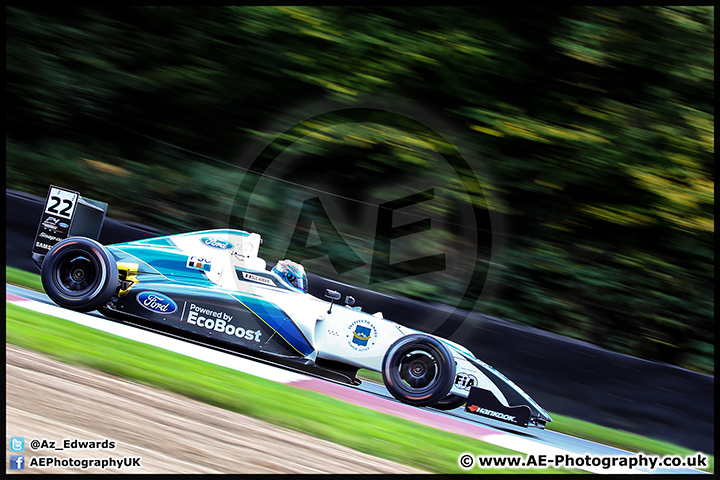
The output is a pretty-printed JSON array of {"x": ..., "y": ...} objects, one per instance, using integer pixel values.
[
  {"x": 63, "y": 225},
  {"x": 217, "y": 243},
  {"x": 156, "y": 302}
]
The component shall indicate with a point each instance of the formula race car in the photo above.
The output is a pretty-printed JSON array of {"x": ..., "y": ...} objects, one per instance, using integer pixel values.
[{"x": 212, "y": 287}]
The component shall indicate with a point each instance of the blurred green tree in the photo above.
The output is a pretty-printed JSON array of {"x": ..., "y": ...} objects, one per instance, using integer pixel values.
[{"x": 596, "y": 126}]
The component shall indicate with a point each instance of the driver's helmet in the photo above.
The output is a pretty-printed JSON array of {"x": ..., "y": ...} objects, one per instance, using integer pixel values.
[{"x": 292, "y": 273}]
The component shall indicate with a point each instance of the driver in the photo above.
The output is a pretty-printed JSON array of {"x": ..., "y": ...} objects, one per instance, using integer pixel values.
[{"x": 292, "y": 273}]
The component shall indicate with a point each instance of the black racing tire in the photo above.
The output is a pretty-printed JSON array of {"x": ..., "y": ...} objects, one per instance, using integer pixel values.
[
  {"x": 418, "y": 370},
  {"x": 451, "y": 402},
  {"x": 80, "y": 274}
]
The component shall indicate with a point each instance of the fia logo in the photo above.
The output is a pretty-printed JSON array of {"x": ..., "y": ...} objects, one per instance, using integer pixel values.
[{"x": 465, "y": 380}]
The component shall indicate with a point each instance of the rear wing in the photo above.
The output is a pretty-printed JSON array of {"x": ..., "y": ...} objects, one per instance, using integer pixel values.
[{"x": 66, "y": 214}]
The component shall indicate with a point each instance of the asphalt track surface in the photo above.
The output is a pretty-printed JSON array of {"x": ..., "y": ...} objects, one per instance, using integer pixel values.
[{"x": 371, "y": 395}]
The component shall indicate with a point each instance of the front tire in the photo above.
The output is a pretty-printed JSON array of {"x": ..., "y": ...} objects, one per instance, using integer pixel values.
[
  {"x": 451, "y": 402},
  {"x": 80, "y": 274},
  {"x": 418, "y": 370}
]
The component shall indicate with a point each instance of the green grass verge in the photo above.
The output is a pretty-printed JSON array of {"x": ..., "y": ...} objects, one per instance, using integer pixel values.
[
  {"x": 359, "y": 428},
  {"x": 23, "y": 279},
  {"x": 619, "y": 438},
  {"x": 596, "y": 433},
  {"x": 215, "y": 385}
]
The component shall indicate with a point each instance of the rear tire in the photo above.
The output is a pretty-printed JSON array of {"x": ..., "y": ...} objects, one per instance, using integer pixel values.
[
  {"x": 418, "y": 370},
  {"x": 80, "y": 274}
]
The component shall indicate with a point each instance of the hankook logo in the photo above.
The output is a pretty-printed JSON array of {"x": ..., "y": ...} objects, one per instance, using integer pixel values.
[{"x": 491, "y": 413}]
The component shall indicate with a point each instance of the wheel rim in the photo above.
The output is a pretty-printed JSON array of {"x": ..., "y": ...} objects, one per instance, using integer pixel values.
[
  {"x": 418, "y": 370},
  {"x": 77, "y": 274}
]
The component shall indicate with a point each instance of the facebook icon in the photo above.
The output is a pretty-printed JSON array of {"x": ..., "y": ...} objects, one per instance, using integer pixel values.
[{"x": 17, "y": 462}]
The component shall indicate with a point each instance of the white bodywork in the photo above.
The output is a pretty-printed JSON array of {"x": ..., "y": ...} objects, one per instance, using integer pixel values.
[
  {"x": 331, "y": 334},
  {"x": 229, "y": 260}
]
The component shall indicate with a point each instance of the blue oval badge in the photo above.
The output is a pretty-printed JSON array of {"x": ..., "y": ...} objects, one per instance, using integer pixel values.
[
  {"x": 156, "y": 302},
  {"x": 217, "y": 243},
  {"x": 63, "y": 225}
]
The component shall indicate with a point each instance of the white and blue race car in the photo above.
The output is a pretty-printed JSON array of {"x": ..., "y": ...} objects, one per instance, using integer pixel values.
[{"x": 212, "y": 287}]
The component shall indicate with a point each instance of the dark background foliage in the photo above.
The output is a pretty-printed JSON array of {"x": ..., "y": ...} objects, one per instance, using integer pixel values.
[{"x": 595, "y": 126}]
